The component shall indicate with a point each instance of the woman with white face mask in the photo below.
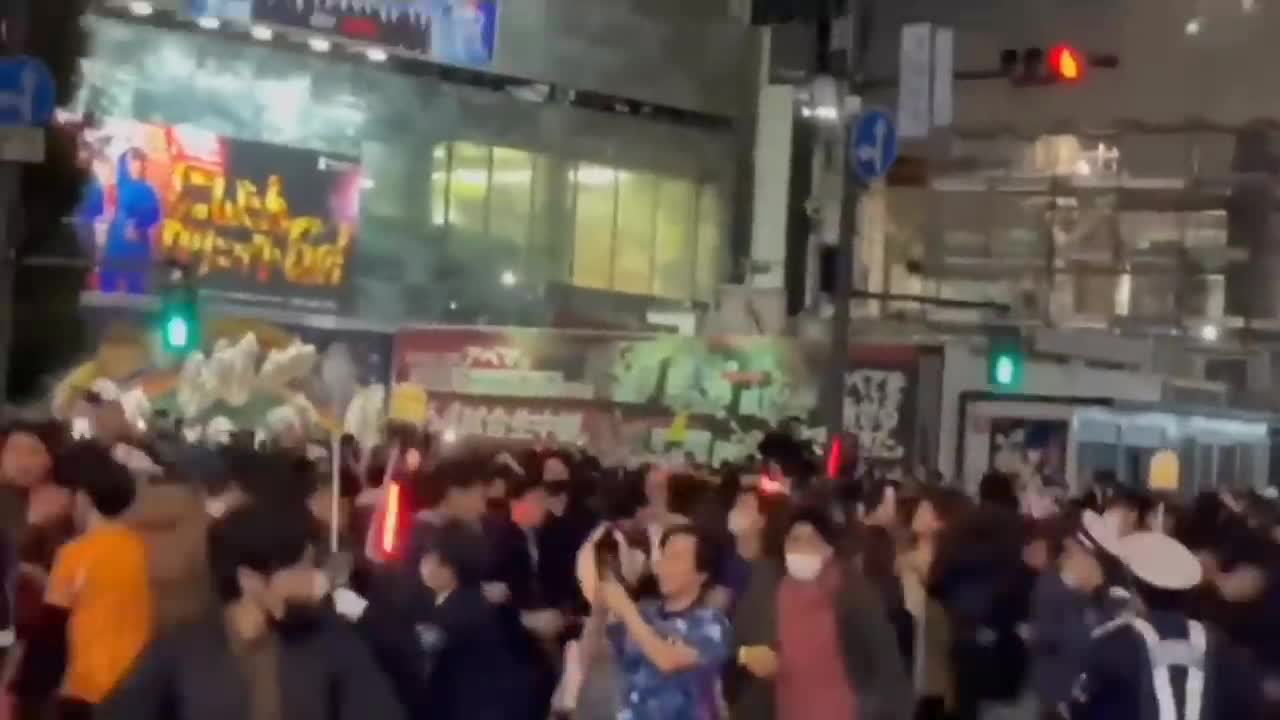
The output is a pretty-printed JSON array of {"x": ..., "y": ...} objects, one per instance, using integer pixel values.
[{"x": 814, "y": 638}]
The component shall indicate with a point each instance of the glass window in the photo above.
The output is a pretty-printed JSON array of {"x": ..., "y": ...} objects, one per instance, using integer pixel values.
[
  {"x": 547, "y": 257},
  {"x": 468, "y": 187},
  {"x": 637, "y": 207},
  {"x": 596, "y": 189},
  {"x": 511, "y": 197},
  {"x": 710, "y": 233},
  {"x": 674, "y": 253},
  {"x": 440, "y": 184}
]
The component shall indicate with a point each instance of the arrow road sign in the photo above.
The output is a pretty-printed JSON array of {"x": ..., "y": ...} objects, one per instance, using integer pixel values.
[
  {"x": 27, "y": 100},
  {"x": 873, "y": 146},
  {"x": 27, "y": 95}
]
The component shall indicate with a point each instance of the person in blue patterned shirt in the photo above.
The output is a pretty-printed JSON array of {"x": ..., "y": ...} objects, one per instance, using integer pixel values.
[{"x": 670, "y": 650}]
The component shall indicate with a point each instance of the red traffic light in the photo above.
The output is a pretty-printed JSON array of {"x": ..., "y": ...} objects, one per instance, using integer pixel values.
[{"x": 1066, "y": 63}]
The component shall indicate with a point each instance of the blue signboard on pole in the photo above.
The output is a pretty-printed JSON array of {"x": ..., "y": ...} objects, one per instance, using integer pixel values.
[
  {"x": 873, "y": 146},
  {"x": 27, "y": 93}
]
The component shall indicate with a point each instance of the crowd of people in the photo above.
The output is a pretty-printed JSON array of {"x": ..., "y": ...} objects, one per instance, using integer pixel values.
[{"x": 153, "y": 580}]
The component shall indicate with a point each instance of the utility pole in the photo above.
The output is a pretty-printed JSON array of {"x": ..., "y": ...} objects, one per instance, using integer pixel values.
[
  {"x": 13, "y": 22},
  {"x": 838, "y": 144}
]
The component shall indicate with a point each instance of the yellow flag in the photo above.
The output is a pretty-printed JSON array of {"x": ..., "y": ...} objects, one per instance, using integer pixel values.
[
  {"x": 408, "y": 404},
  {"x": 679, "y": 429}
]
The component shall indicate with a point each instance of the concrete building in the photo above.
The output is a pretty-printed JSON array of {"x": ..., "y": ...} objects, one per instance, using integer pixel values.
[
  {"x": 1138, "y": 203},
  {"x": 584, "y": 168}
]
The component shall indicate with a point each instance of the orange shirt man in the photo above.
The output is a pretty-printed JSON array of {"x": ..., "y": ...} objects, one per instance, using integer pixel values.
[{"x": 100, "y": 579}]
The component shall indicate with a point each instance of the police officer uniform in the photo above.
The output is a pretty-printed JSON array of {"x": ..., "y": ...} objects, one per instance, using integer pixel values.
[
  {"x": 1099, "y": 535},
  {"x": 1157, "y": 664}
]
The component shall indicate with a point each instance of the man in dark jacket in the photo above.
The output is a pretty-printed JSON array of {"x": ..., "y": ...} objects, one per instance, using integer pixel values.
[
  {"x": 274, "y": 651},
  {"x": 445, "y": 650},
  {"x": 532, "y": 627},
  {"x": 567, "y": 526},
  {"x": 982, "y": 581},
  {"x": 453, "y": 491}
]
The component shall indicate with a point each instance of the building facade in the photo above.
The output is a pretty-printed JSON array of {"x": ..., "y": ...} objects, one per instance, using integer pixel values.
[
  {"x": 578, "y": 155},
  {"x": 1137, "y": 202}
]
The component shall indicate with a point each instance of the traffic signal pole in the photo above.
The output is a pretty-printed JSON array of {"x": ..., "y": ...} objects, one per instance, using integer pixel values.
[
  {"x": 837, "y": 144},
  {"x": 13, "y": 20},
  {"x": 1023, "y": 68}
]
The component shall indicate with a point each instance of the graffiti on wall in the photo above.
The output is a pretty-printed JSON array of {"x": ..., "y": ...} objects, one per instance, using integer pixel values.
[
  {"x": 874, "y": 410},
  {"x": 622, "y": 393}
]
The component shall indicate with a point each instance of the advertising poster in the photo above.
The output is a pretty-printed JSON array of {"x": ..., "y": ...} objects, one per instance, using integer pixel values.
[
  {"x": 259, "y": 224},
  {"x": 1034, "y": 451},
  {"x": 457, "y": 32},
  {"x": 623, "y": 394},
  {"x": 246, "y": 369}
]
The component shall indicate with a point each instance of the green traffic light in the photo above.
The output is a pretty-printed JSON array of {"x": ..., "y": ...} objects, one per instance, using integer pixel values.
[
  {"x": 1005, "y": 370},
  {"x": 1005, "y": 358},
  {"x": 177, "y": 332}
]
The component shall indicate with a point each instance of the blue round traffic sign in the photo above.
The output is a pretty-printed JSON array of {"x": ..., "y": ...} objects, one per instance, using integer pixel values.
[
  {"x": 873, "y": 145},
  {"x": 27, "y": 92}
]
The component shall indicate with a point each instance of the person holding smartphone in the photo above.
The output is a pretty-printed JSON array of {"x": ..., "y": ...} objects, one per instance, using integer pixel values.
[{"x": 670, "y": 649}]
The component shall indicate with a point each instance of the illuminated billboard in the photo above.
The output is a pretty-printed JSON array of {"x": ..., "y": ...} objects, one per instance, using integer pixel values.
[
  {"x": 457, "y": 32},
  {"x": 259, "y": 224}
]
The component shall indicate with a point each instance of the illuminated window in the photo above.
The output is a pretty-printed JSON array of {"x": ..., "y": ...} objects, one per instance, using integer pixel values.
[
  {"x": 674, "y": 253},
  {"x": 469, "y": 187},
  {"x": 596, "y": 188},
  {"x": 707, "y": 277},
  {"x": 440, "y": 184},
  {"x": 633, "y": 254},
  {"x": 511, "y": 197}
]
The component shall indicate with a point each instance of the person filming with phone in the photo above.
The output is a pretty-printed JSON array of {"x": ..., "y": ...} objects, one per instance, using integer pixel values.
[{"x": 670, "y": 649}]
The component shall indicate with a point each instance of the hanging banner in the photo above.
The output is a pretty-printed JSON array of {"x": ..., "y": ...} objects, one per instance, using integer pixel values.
[
  {"x": 457, "y": 32},
  {"x": 260, "y": 224}
]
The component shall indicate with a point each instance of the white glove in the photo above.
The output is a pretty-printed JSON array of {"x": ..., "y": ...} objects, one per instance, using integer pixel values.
[{"x": 349, "y": 604}]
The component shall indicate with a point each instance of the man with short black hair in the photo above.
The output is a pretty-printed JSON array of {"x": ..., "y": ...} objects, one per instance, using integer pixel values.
[
  {"x": 274, "y": 651},
  {"x": 453, "y": 490},
  {"x": 98, "y": 602},
  {"x": 513, "y": 539},
  {"x": 532, "y": 626}
]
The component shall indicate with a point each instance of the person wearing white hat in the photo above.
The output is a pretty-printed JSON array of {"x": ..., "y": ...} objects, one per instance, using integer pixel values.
[
  {"x": 1089, "y": 558},
  {"x": 1068, "y": 604},
  {"x": 1156, "y": 664}
]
